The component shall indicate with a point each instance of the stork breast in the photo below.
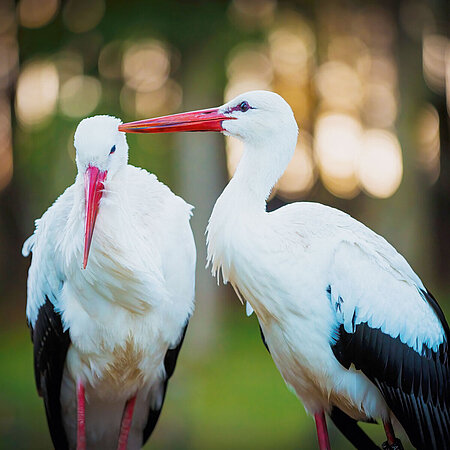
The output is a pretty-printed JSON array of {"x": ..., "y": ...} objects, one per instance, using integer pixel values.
[{"x": 124, "y": 369}]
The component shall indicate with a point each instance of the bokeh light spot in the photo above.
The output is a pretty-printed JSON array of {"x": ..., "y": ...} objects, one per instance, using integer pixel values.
[
  {"x": 37, "y": 13},
  {"x": 339, "y": 85},
  {"x": 292, "y": 47},
  {"x": 160, "y": 101},
  {"x": 434, "y": 51},
  {"x": 429, "y": 146},
  {"x": 252, "y": 13},
  {"x": 379, "y": 105},
  {"x": 6, "y": 158},
  {"x": 37, "y": 92},
  {"x": 380, "y": 163},
  {"x": 146, "y": 66},
  {"x": 337, "y": 146},
  {"x": 249, "y": 61},
  {"x": 80, "y": 95},
  {"x": 248, "y": 68}
]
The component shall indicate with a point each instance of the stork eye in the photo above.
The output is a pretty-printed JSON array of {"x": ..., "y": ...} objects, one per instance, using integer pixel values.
[
  {"x": 113, "y": 149},
  {"x": 244, "y": 106}
]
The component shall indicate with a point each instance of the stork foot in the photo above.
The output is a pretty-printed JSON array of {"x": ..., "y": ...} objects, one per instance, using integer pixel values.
[
  {"x": 396, "y": 445},
  {"x": 81, "y": 417},
  {"x": 392, "y": 442},
  {"x": 125, "y": 426}
]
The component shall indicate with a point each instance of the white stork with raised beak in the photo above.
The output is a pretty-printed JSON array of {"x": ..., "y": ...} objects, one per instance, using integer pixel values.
[
  {"x": 110, "y": 294},
  {"x": 349, "y": 325}
]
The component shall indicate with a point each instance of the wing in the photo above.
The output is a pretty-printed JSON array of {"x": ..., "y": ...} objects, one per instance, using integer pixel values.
[
  {"x": 51, "y": 343},
  {"x": 170, "y": 361},
  {"x": 50, "y": 340},
  {"x": 44, "y": 279},
  {"x": 392, "y": 329}
]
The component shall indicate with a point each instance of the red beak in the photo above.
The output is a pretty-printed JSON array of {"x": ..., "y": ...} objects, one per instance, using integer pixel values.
[
  {"x": 93, "y": 190},
  {"x": 201, "y": 120}
]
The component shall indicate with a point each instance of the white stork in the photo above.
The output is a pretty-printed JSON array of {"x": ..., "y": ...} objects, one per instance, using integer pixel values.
[
  {"x": 108, "y": 319},
  {"x": 349, "y": 325}
]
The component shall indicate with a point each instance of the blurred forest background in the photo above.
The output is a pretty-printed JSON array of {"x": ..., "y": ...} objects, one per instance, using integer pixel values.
[{"x": 369, "y": 84}]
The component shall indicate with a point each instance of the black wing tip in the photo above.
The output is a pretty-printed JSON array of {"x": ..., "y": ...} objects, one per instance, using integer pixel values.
[
  {"x": 51, "y": 344},
  {"x": 409, "y": 381},
  {"x": 428, "y": 296},
  {"x": 350, "y": 429}
]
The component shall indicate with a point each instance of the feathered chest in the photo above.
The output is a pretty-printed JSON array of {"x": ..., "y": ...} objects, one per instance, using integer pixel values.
[
  {"x": 116, "y": 306},
  {"x": 124, "y": 268},
  {"x": 258, "y": 261}
]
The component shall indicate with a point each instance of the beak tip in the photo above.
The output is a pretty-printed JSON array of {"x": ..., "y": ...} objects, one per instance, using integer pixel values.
[{"x": 94, "y": 185}]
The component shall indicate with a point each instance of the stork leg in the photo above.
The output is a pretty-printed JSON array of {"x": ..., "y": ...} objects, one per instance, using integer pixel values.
[
  {"x": 392, "y": 442},
  {"x": 81, "y": 417},
  {"x": 125, "y": 426},
  {"x": 322, "y": 432}
]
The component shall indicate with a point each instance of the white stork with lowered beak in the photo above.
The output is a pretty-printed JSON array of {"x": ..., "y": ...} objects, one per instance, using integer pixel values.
[
  {"x": 349, "y": 325},
  {"x": 110, "y": 294}
]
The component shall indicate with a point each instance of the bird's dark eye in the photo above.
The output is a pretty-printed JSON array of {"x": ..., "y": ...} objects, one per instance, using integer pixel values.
[
  {"x": 113, "y": 149},
  {"x": 244, "y": 106}
]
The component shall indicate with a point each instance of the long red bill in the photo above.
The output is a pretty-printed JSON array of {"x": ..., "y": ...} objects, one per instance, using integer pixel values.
[
  {"x": 201, "y": 120},
  {"x": 93, "y": 190}
]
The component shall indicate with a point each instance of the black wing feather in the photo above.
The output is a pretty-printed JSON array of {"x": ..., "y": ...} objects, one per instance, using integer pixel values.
[
  {"x": 416, "y": 386},
  {"x": 264, "y": 339},
  {"x": 51, "y": 343},
  {"x": 350, "y": 429},
  {"x": 170, "y": 361}
]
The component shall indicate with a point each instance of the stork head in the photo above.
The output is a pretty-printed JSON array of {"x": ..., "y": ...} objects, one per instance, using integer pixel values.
[
  {"x": 101, "y": 150},
  {"x": 253, "y": 117}
]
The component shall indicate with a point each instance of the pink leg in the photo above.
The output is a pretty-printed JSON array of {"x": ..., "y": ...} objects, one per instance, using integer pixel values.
[
  {"x": 126, "y": 424},
  {"x": 81, "y": 417},
  {"x": 392, "y": 442},
  {"x": 322, "y": 433},
  {"x": 389, "y": 430}
]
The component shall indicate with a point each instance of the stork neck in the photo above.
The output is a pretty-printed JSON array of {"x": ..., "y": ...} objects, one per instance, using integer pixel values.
[{"x": 259, "y": 169}]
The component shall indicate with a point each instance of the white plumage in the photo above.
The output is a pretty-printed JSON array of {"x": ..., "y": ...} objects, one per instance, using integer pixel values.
[
  {"x": 282, "y": 263},
  {"x": 131, "y": 303},
  {"x": 350, "y": 326}
]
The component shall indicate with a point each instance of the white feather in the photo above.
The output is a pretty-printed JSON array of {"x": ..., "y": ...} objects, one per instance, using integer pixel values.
[
  {"x": 136, "y": 293},
  {"x": 283, "y": 262}
]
